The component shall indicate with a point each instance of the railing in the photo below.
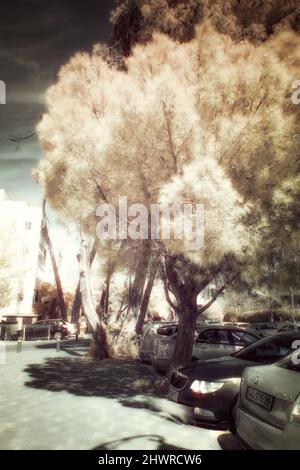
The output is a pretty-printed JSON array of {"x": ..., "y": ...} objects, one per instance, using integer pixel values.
[
  {"x": 7, "y": 333},
  {"x": 30, "y": 334}
]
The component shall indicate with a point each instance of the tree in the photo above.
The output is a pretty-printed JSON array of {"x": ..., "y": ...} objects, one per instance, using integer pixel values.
[
  {"x": 60, "y": 296},
  {"x": 46, "y": 306},
  {"x": 135, "y": 21},
  {"x": 11, "y": 271},
  {"x": 99, "y": 348},
  {"x": 197, "y": 123},
  {"x": 5, "y": 277}
]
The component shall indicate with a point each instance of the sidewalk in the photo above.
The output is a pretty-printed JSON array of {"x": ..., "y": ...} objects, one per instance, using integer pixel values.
[{"x": 63, "y": 400}]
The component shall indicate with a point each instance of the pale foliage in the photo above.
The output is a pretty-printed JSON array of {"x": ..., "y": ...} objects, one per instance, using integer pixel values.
[
  {"x": 5, "y": 287},
  {"x": 201, "y": 122},
  {"x": 8, "y": 271},
  {"x": 121, "y": 346}
]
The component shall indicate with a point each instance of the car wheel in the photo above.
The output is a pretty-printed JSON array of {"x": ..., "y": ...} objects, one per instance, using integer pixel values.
[
  {"x": 58, "y": 335},
  {"x": 233, "y": 413}
]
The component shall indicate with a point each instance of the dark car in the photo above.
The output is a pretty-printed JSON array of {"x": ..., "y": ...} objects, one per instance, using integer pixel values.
[
  {"x": 210, "y": 388},
  {"x": 46, "y": 329},
  {"x": 265, "y": 329},
  {"x": 292, "y": 326}
]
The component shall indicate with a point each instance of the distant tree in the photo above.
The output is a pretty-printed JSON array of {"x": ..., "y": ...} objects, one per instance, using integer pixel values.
[
  {"x": 6, "y": 277},
  {"x": 135, "y": 21},
  {"x": 60, "y": 296},
  {"x": 11, "y": 270},
  {"x": 47, "y": 305}
]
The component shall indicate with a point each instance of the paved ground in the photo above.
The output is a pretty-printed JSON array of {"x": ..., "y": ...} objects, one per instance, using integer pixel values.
[{"x": 63, "y": 400}]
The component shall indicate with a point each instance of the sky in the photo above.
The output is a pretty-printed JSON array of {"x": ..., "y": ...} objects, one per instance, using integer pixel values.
[{"x": 36, "y": 38}]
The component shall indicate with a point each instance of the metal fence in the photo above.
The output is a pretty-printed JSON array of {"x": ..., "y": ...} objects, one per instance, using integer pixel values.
[
  {"x": 8, "y": 332},
  {"x": 28, "y": 333}
]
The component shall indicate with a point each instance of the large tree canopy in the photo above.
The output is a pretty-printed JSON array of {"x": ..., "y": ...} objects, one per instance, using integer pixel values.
[{"x": 207, "y": 121}]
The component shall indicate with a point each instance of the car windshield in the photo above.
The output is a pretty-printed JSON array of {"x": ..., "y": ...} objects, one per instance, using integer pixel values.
[{"x": 267, "y": 350}]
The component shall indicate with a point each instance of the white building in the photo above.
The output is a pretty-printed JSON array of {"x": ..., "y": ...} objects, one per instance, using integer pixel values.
[{"x": 20, "y": 227}]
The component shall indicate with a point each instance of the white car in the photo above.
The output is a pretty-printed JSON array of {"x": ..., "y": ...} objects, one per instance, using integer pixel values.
[{"x": 268, "y": 414}]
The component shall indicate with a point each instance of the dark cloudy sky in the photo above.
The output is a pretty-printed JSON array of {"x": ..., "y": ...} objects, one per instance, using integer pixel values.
[{"x": 36, "y": 38}]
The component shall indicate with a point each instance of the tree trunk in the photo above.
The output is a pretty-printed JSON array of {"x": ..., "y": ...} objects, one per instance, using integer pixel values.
[
  {"x": 137, "y": 288},
  {"x": 76, "y": 305},
  {"x": 101, "y": 305},
  {"x": 146, "y": 297},
  {"x": 60, "y": 296},
  {"x": 187, "y": 315},
  {"x": 185, "y": 289},
  {"x": 109, "y": 273},
  {"x": 99, "y": 348},
  {"x": 77, "y": 299}
]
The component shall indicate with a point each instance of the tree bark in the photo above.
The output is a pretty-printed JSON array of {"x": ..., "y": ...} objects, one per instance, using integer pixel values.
[
  {"x": 137, "y": 288},
  {"x": 185, "y": 290},
  {"x": 77, "y": 299},
  {"x": 76, "y": 305},
  {"x": 60, "y": 296},
  {"x": 99, "y": 347},
  {"x": 187, "y": 315},
  {"x": 146, "y": 296}
]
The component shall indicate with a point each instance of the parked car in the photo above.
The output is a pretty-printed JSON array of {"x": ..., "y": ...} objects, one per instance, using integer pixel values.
[
  {"x": 210, "y": 342},
  {"x": 150, "y": 332},
  {"x": 43, "y": 329},
  {"x": 265, "y": 329},
  {"x": 244, "y": 325},
  {"x": 209, "y": 389},
  {"x": 292, "y": 326},
  {"x": 268, "y": 415}
]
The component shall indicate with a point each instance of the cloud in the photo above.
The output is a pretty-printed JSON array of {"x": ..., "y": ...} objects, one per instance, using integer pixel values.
[{"x": 36, "y": 38}]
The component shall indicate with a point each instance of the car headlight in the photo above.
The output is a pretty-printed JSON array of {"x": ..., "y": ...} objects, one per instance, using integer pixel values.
[
  {"x": 235, "y": 381},
  {"x": 295, "y": 414},
  {"x": 200, "y": 386}
]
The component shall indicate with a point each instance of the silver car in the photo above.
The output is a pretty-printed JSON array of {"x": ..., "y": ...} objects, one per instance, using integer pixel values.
[
  {"x": 268, "y": 415},
  {"x": 151, "y": 331},
  {"x": 210, "y": 342}
]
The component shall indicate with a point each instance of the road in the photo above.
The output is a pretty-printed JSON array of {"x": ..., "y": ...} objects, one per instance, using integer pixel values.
[{"x": 64, "y": 400}]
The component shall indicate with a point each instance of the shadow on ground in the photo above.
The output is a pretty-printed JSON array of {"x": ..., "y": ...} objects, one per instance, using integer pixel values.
[
  {"x": 71, "y": 346},
  {"x": 156, "y": 439},
  {"x": 128, "y": 382},
  {"x": 87, "y": 377}
]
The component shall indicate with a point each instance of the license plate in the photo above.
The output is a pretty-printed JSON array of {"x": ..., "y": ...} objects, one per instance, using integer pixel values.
[
  {"x": 260, "y": 398},
  {"x": 173, "y": 394}
]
